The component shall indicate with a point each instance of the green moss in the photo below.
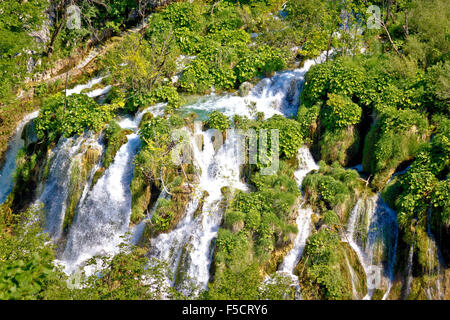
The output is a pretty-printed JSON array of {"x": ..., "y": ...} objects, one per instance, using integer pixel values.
[
  {"x": 391, "y": 192},
  {"x": 168, "y": 212},
  {"x": 79, "y": 176},
  {"x": 333, "y": 188},
  {"x": 339, "y": 145},
  {"x": 394, "y": 138},
  {"x": 323, "y": 270},
  {"x": 115, "y": 137}
]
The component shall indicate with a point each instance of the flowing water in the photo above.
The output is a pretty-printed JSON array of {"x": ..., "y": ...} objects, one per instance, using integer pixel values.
[
  {"x": 9, "y": 166},
  {"x": 188, "y": 248},
  {"x": 372, "y": 232},
  {"x": 279, "y": 94},
  {"x": 103, "y": 213},
  {"x": 409, "y": 274},
  {"x": 103, "y": 216},
  {"x": 66, "y": 154},
  {"x": 77, "y": 89},
  {"x": 436, "y": 264},
  {"x": 306, "y": 165},
  {"x": 303, "y": 221}
]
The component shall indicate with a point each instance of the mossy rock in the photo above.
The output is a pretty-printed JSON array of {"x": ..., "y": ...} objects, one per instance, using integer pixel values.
[
  {"x": 341, "y": 145},
  {"x": 171, "y": 213},
  {"x": 325, "y": 275},
  {"x": 81, "y": 171},
  {"x": 201, "y": 202}
]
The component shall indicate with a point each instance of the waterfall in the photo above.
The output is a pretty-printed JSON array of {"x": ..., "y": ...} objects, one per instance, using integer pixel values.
[
  {"x": 434, "y": 255},
  {"x": 9, "y": 166},
  {"x": 103, "y": 216},
  {"x": 353, "y": 277},
  {"x": 188, "y": 247},
  {"x": 306, "y": 164},
  {"x": 409, "y": 275},
  {"x": 77, "y": 89},
  {"x": 279, "y": 94},
  {"x": 56, "y": 189},
  {"x": 372, "y": 232},
  {"x": 303, "y": 221}
]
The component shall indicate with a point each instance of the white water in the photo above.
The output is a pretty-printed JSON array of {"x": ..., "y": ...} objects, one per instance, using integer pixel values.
[
  {"x": 77, "y": 89},
  {"x": 409, "y": 276},
  {"x": 434, "y": 256},
  {"x": 372, "y": 232},
  {"x": 354, "y": 278},
  {"x": 99, "y": 92},
  {"x": 132, "y": 123},
  {"x": 9, "y": 166},
  {"x": 67, "y": 153},
  {"x": 277, "y": 95},
  {"x": 103, "y": 217},
  {"x": 303, "y": 221},
  {"x": 306, "y": 164},
  {"x": 189, "y": 246}
]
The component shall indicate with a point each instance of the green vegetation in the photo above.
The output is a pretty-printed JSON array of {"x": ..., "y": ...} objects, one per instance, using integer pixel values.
[
  {"x": 156, "y": 172},
  {"x": 115, "y": 137},
  {"x": 219, "y": 121},
  {"x": 333, "y": 188},
  {"x": 323, "y": 271},
  {"x": 385, "y": 107},
  {"x": 80, "y": 113},
  {"x": 256, "y": 225}
]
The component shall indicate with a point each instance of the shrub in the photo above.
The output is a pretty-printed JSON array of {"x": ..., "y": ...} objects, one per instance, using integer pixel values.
[
  {"x": 340, "y": 112},
  {"x": 81, "y": 113},
  {"x": 218, "y": 120},
  {"x": 290, "y": 131}
]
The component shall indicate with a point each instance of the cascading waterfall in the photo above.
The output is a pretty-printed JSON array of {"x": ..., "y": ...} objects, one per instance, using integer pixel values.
[
  {"x": 77, "y": 89},
  {"x": 279, "y": 94},
  {"x": 306, "y": 165},
  {"x": 353, "y": 279},
  {"x": 103, "y": 213},
  {"x": 54, "y": 196},
  {"x": 188, "y": 248},
  {"x": 303, "y": 221},
  {"x": 372, "y": 232},
  {"x": 434, "y": 257},
  {"x": 9, "y": 166},
  {"x": 409, "y": 275},
  {"x": 103, "y": 217}
]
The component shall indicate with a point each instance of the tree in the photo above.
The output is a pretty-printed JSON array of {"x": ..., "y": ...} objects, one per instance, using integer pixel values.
[{"x": 17, "y": 20}]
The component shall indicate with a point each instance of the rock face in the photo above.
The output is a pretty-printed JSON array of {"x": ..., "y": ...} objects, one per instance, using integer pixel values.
[
  {"x": 29, "y": 135},
  {"x": 42, "y": 36},
  {"x": 245, "y": 89}
]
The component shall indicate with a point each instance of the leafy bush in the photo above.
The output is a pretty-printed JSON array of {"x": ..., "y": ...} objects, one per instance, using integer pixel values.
[
  {"x": 332, "y": 188},
  {"x": 217, "y": 120},
  {"x": 340, "y": 112},
  {"x": 81, "y": 113},
  {"x": 290, "y": 132},
  {"x": 325, "y": 275},
  {"x": 115, "y": 137},
  {"x": 396, "y": 137}
]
